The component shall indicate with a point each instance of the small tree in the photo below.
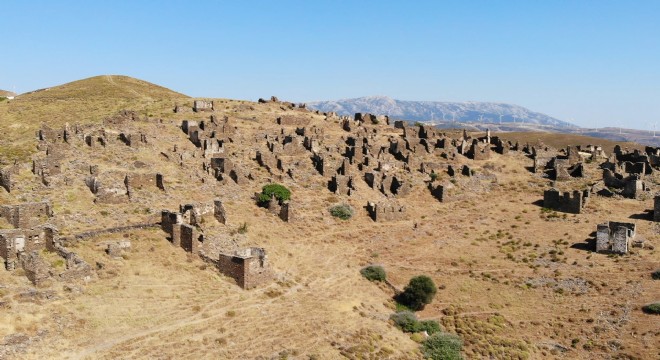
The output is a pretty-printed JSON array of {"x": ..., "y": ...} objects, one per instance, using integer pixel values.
[
  {"x": 419, "y": 292},
  {"x": 406, "y": 321},
  {"x": 656, "y": 275},
  {"x": 280, "y": 192},
  {"x": 443, "y": 346},
  {"x": 374, "y": 273},
  {"x": 652, "y": 308}
]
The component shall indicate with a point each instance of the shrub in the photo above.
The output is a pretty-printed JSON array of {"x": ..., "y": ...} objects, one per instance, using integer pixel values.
[
  {"x": 243, "y": 228},
  {"x": 280, "y": 192},
  {"x": 406, "y": 321},
  {"x": 434, "y": 176},
  {"x": 418, "y": 293},
  {"x": 652, "y": 308},
  {"x": 430, "y": 326},
  {"x": 442, "y": 346},
  {"x": 342, "y": 211},
  {"x": 656, "y": 275},
  {"x": 374, "y": 273}
]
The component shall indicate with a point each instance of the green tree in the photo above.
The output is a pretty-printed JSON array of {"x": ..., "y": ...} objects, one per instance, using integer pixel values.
[
  {"x": 280, "y": 192},
  {"x": 419, "y": 292}
]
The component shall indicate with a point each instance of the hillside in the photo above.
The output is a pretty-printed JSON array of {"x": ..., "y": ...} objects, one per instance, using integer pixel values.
[
  {"x": 5, "y": 93},
  {"x": 464, "y": 112},
  {"x": 146, "y": 205},
  {"x": 84, "y": 101}
]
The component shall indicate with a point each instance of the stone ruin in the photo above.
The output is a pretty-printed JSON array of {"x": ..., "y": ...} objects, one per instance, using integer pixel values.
[
  {"x": 31, "y": 234},
  {"x": 631, "y": 186},
  {"x": 202, "y": 105},
  {"x": 248, "y": 266},
  {"x": 284, "y": 210},
  {"x": 566, "y": 202},
  {"x": 561, "y": 167},
  {"x": 7, "y": 177},
  {"x": 614, "y": 237},
  {"x": 26, "y": 215},
  {"x": 386, "y": 211},
  {"x": 109, "y": 189},
  {"x": 437, "y": 191},
  {"x": 341, "y": 185}
]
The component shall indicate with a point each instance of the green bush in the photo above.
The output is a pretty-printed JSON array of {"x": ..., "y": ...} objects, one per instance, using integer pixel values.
[
  {"x": 374, "y": 273},
  {"x": 652, "y": 308},
  {"x": 280, "y": 192},
  {"x": 418, "y": 293},
  {"x": 656, "y": 275},
  {"x": 430, "y": 326},
  {"x": 434, "y": 176},
  {"x": 406, "y": 321},
  {"x": 342, "y": 211},
  {"x": 442, "y": 346}
]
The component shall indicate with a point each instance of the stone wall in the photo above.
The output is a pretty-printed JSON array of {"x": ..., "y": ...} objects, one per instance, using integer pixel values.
[
  {"x": 6, "y": 175},
  {"x": 614, "y": 237},
  {"x": 202, "y": 105},
  {"x": 249, "y": 267},
  {"x": 437, "y": 191},
  {"x": 26, "y": 215},
  {"x": 566, "y": 202},
  {"x": 386, "y": 211}
]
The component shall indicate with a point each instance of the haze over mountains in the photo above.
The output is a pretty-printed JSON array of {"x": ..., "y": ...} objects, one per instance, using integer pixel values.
[{"x": 439, "y": 111}]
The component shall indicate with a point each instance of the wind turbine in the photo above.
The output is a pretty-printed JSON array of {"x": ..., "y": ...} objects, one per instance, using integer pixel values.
[
  {"x": 655, "y": 126},
  {"x": 501, "y": 119},
  {"x": 481, "y": 117}
]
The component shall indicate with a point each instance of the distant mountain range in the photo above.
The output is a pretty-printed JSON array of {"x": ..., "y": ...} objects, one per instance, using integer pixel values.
[
  {"x": 436, "y": 111},
  {"x": 6, "y": 93}
]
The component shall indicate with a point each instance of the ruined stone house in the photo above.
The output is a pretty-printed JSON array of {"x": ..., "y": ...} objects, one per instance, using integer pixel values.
[{"x": 614, "y": 237}]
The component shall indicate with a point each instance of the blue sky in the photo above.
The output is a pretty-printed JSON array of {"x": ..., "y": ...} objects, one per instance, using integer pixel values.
[{"x": 595, "y": 63}]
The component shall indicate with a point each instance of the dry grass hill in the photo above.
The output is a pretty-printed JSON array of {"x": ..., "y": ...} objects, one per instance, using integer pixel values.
[{"x": 516, "y": 280}]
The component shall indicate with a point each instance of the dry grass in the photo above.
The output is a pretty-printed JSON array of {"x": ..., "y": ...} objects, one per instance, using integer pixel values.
[{"x": 511, "y": 279}]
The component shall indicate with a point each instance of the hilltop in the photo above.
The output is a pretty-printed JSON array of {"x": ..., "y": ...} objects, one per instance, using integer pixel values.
[
  {"x": 83, "y": 101},
  {"x": 461, "y": 112},
  {"x": 140, "y": 228}
]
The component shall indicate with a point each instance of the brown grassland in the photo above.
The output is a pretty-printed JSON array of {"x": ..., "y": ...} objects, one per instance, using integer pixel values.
[{"x": 515, "y": 281}]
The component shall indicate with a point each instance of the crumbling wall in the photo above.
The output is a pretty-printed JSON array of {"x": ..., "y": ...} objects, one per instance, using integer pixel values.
[
  {"x": 566, "y": 202},
  {"x": 386, "y": 211},
  {"x": 614, "y": 237},
  {"x": 202, "y": 105},
  {"x": 6, "y": 175},
  {"x": 249, "y": 267},
  {"x": 437, "y": 191},
  {"x": 219, "y": 211},
  {"x": 26, "y": 215},
  {"x": 36, "y": 269}
]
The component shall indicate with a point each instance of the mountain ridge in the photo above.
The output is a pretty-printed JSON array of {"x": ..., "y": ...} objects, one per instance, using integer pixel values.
[{"x": 465, "y": 112}]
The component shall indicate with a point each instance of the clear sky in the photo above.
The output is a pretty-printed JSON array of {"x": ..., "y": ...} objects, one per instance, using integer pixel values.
[{"x": 595, "y": 63}]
